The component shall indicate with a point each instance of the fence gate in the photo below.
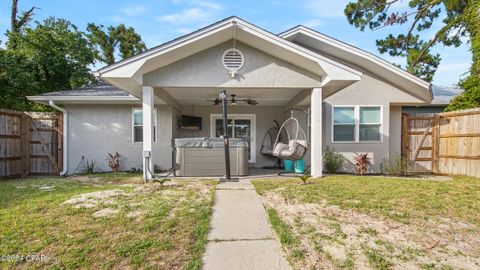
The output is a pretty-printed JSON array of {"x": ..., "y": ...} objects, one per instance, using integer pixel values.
[
  {"x": 30, "y": 143},
  {"x": 418, "y": 137}
]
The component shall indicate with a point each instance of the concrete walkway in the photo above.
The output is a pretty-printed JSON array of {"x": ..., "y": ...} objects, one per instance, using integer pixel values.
[{"x": 240, "y": 236}]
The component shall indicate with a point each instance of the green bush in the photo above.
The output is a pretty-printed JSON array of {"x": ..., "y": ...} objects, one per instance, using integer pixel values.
[
  {"x": 396, "y": 166},
  {"x": 332, "y": 161}
]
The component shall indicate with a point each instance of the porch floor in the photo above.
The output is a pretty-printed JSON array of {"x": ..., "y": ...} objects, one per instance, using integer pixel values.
[{"x": 253, "y": 173}]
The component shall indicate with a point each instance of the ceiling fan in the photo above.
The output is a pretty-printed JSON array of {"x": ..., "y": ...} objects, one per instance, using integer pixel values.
[{"x": 234, "y": 101}]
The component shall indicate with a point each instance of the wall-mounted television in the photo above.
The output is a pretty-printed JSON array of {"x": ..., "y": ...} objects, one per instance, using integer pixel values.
[{"x": 190, "y": 122}]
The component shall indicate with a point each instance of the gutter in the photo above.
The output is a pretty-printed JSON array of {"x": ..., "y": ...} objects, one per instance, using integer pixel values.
[{"x": 52, "y": 104}]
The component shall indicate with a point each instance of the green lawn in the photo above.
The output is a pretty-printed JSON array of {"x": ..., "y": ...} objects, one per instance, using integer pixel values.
[
  {"x": 349, "y": 222},
  {"x": 395, "y": 198},
  {"x": 145, "y": 226}
]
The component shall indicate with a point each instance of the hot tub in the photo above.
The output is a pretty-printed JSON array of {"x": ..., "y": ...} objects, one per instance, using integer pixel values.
[{"x": 206, "y": 157}]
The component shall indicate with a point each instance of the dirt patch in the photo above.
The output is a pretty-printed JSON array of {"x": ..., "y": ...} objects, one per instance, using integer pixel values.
[
  {"x": 135, "y": 214},
  {"x": 336, "y": 238},
  {"x": 105, "y": 213},
  {"x": 90, "y": 200},
  {"x": 420, "y": 177},
  {"x": 84, "y": 178},
  {"x": 46, "y": 188}
]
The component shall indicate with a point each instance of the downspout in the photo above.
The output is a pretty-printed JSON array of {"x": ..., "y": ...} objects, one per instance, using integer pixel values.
[{"x": 65, "y": 137}]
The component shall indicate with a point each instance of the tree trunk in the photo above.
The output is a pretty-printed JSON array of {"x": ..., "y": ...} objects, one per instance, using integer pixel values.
[{"x": 13, "y": 18}]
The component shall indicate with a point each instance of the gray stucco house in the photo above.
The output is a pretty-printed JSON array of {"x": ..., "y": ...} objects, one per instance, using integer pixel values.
[{"x": 355, "y": 98}]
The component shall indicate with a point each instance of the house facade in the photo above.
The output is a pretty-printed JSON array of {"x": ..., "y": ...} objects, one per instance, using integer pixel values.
[{"x": 353, "y": 99}]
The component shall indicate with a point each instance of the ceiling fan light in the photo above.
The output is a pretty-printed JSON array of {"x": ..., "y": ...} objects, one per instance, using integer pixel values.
[{"x": 252, "y": 102}]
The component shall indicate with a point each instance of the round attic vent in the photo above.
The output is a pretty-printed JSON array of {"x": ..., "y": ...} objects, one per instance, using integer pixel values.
[{"x": 232, "y": 59}]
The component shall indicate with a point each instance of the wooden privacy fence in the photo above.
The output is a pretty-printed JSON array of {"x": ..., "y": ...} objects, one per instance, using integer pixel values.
[
  {"x": 442, "y": 143},
  {"x": 31, "y": 143}
]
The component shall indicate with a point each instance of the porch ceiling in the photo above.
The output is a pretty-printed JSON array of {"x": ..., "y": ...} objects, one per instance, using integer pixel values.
[{"x": 264, "y": 96}]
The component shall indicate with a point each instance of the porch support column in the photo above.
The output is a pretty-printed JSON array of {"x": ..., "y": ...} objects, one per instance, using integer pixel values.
[
  {"x": 316, "y": 137},
  {"x": 148, "y": 107}
]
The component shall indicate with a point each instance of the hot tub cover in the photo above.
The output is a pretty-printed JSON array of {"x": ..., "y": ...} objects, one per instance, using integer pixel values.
[{"x": 206, "y": 142}]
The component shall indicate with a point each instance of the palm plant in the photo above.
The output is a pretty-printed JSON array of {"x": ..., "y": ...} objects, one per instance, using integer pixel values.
[{"x": 362, "y": 161}]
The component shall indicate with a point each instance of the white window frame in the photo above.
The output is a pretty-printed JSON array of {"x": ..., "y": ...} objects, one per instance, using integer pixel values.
[
  {"x": 155, "y": 125},
  {"x": 356, "y": 113},
  {"x": 253, "y": 130}
]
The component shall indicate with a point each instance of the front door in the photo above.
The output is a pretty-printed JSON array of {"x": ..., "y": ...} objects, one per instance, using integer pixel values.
[{"x": 239, "y": 126}]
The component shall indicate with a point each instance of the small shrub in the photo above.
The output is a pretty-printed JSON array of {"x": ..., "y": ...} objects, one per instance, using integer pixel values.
[
  {"x": 305, "y": 177},
  {"x": 395, "y": 167},
  {"x": 113, "y": 161},
  {"x": 362, "y": 161},
  {"x": 89, "y": 167},
  {"x": 332, "y": 160}
]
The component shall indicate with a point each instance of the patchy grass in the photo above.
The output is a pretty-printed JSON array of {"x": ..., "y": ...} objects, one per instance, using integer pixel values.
[
  {"x": 146, "y": 226},
  {"x": 350, "y": 222},
  {"x": 400, "y": 199},
  {"x": 286, "y": 236}
]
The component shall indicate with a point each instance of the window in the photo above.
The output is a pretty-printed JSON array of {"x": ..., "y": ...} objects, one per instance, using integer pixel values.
[
  {"x": 344, "y": 124},
  {"x": 370, "y": 124},
  {"x": 137, "y": 115},
  {"x": 239, "y": 126},
  {"x": 357, "y": 123}
]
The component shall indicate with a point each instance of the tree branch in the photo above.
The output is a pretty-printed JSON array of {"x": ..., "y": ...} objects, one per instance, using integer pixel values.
[
  {"x": 422, "y": 53},
  {"x": 417, "y": 18},
  {"x": 439, "y": 34}
]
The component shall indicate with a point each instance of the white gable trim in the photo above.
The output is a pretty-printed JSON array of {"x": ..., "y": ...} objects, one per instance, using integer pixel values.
[
  {"x": 356, "y": 51},
  {"x": 333, "y": 69}
]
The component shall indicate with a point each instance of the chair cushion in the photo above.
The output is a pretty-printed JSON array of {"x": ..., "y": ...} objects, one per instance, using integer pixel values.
[{"x": 279, "y": 148}]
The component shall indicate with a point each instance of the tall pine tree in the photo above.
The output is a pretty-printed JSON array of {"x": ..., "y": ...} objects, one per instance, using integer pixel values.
[{"x": 459, "y": 19}]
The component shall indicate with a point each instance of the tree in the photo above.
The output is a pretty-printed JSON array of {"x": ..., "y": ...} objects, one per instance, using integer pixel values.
[
  {"x": 459, "y": 20},
  {"x": 51, "y": 56},
  {"x": 18, "y": 22},
  {"x": 471, "y": 97},
  {"x": 106, "y": 42}
]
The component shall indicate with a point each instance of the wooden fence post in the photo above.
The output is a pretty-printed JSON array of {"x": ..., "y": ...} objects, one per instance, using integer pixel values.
[
  {"x": 435, "y": 143},
  {"x": 404, "y": 143},
  {"x": 25, "y": 144}
]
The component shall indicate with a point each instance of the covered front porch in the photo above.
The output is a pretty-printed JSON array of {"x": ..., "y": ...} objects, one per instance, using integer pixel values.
[{"x": 188, "y": 74}]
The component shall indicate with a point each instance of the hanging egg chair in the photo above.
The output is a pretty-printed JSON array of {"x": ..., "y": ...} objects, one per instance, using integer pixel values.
[{"x": 291, "y": 142}]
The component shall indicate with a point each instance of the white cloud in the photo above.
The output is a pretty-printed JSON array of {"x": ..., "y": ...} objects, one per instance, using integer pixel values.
[
  {"x": 449, "y": 73},
  {"x": 185, "y": 16},
  {"x": 132, "y": 11},
  {"x": 184, "y": 30},
  {"x": 208, "y": 4},
  {"x": 326, "y": 8},
  {"x": 313, "y": 23},
  {"x": 462, "y": 66}
]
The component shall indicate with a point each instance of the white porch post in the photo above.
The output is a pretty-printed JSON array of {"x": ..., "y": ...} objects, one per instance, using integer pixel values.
[
  {"x": 148, "y": 107},
  {"x": 316, "y": 132}
]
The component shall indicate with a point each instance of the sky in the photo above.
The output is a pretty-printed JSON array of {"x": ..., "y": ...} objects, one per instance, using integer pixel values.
[{"x": 158, "y": 21}]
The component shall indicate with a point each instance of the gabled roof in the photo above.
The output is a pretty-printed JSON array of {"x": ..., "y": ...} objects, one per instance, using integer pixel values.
[
  {"x": 127, "y": 74},
  {"x": 100, "y": 89},
  {"x": 347, "y": 53},
  {"x": 442, "y": 95},
  {"x": 99, "y": 93},
  {"x": 337, "y": 63}
]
